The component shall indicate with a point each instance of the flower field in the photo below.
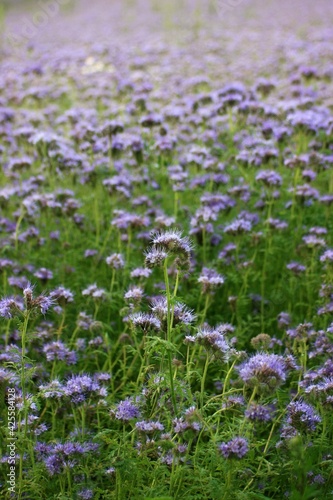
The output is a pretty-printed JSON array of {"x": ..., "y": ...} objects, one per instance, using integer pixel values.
[{"x": 166, "y": 250}]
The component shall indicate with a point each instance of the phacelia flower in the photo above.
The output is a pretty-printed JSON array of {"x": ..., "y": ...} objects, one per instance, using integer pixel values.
[
  {"x": 210, "y": 279},
  {"x": 264, "y": 371},
  {"x": 235, "y": 448},
  {"x": 302, "y": 416},
  {"x": 115, "y": 261},
  {"x": 125, "y": 410}
]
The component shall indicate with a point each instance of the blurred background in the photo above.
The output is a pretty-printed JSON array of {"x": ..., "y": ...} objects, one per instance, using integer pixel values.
[{"x": 239, "y": 39}]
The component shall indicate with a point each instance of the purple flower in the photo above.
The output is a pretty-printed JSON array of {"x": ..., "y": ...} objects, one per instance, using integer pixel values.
[
  {"x": 302, "y": 416},
  {"x": 80, "y": 387},
  {"x": 125, "y": 411},
  {"x": 44, "y": 274},
  {"x": 264, "y": 371},
  {"x": 239, "y": 226},
  {"x": 54, "y": 389},
  {"x": 214, "y": 340},
  {"x": 115, "y": 261},
  {"x": 269, "y": 178},
  {"x": 235, "y": 448},
  {"x": 62, "y": 295},
  {"x": 258, "y": 413},
  {"x": 94, "y": 292},
  {"x": 58, "y": 351},
  {"x": 85, "y": 494},
  {"x": 296, "y": 268},
  {"x": 44, "y": 303},
  {"x": 327, "y": 256},
  {"x": 145, "y": 321},
  {"x": 149, "y": 426},
  {"x": 10, "y": 306},
  {"x": 134, "y": 294},
  {"x": 155, "y": 257},
  {"x": 283, "y": 319},
  {"x": 181, "y": 314},
  {"x": 210, "y": 279}
]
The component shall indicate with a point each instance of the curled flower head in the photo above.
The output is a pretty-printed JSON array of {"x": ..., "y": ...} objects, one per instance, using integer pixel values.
[
  {"x": 302, "y": 416},
  {"x": 115, "y": 261},
  {"x": 181, "y": 314},
  {"x": 125, "y": 411},
  {"x": 145, "y": 321},
  {"x": 210, "y": 279},
  {"x": 239, "y": 226},
  {"x": 44, "y": 274},
  {"x": 155, "y": 257},
  {"x": 172, "y": 241},
  {"x": 62, "y": 295},
  {"x": 269, "y": 178},
  {"x": 264, "y": 371},
  {"x": 94, "y": 292},
  {"x": 258, "y": 413},
  {"x": 235, "y": 448},
  {"x": 10, "y": 306},
  {"x": 214, "y": 340},
  {"x": 134, "y": 294},
  {"x": 148, "y": 427},
  {"x": 327, "y": 256},
  {"x": 169, "y": 243}
]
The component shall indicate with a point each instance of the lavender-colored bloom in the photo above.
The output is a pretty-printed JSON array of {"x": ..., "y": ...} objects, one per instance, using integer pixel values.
[
  {"x": 145, "y": 321},
  {"x": 44, "y": 274},
  {"x": 296, "y": 268},
  {"x": 313, "y": 241},
  {"x": 172, "y": 241},
  {"x": 210, "y": 279},
  {"x": 90, "y": 252},
  {"x": 327, "y": 256},
  {"x": 309, "y": 175},
  {"x": 235, "y": 448},
  {"x": 111, "y": 471},
  {"x": 58, "y": 351},
  {"x": 269, "y": 178},
  {"x": 54, "y": 389},
  {"x": 134, "y": 294},
  {"x": 18, "y": 281},
  {"x": 140, "y": 272},
  {"x": 181, "y": 314},
  {"x": 125, "y": 410},
  {"x": 264, "y": 371},
  {"x": 302, "y": 416},
  {"x": 86, "y": 322},
  {"x": 10, "y": 307},
  {"x": 115, "y": 261},
  {"x": 303, "y": 331},
  {"x": 155, "y": 257},
  {"x": 44, "y": 303},
  {"x": 214, "y": 340},
  {"x": 239, "y": 226},
  {"x": 258, "y": 413},
  {"x": 283, "y": 319},
  {"x": 277, "y": 223},
  {"x": 61, "y": 456},
  {"x": 62, "y": 295},
  {"x": 80, "y": 387},
  {"x": 85, "y": 494},
  {"x": 233, "y": 402},
  {"x": 181, "y": 425},
  {"x": 148, "y": 427},
  {"x": 94, "y": 292}
]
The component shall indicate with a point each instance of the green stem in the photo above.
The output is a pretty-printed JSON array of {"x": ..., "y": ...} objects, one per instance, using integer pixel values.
[
  {"x": 169, "y": 328},
  {"x": 203, "y": 380}
]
